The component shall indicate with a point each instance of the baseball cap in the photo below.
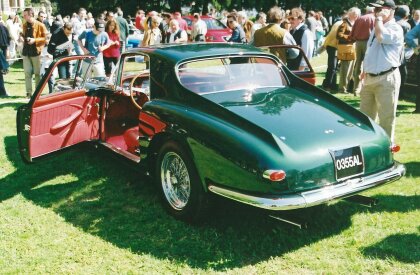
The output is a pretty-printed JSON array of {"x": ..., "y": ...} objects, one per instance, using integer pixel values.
[
  {"x": 383, "y": 3},
  {"x": 100, "y": 24}
]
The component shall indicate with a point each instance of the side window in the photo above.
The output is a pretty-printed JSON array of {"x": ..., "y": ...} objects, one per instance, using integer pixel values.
[
  {"x": 133, "y": 66},
  {"x": 66, "y": 76}
]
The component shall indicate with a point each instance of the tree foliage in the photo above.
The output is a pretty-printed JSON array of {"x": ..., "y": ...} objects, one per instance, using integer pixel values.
[{"x": 130, "y": 6}]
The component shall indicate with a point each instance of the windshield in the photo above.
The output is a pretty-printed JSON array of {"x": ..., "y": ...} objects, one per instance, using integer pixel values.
[{"x": 230, "y": 73}]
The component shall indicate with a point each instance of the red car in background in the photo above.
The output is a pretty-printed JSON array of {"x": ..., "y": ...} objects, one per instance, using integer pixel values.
[{"x": 216, "y": 30}]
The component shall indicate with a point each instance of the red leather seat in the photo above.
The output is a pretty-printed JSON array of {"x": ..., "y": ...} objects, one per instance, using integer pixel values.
[{"x": 131, "y": 138}]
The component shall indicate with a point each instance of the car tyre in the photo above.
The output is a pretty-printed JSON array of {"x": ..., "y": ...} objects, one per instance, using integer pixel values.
[{"x": 181, "y": 190}]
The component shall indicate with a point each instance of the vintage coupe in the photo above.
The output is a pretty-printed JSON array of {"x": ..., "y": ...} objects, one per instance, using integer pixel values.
[{"x": 227, "y": 119}]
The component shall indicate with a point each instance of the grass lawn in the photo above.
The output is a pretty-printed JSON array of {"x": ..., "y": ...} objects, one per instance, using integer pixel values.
[{"x": 82, "y": 212}]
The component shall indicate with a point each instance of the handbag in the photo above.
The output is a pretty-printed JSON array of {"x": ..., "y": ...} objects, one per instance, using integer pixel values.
[{"x": 346, "y": 52}]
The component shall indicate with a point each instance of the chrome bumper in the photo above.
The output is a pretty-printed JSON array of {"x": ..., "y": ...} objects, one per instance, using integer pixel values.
[{"x": 314, "y": 197}]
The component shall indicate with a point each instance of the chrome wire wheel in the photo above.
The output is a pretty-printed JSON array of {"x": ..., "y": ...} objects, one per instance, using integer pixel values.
[{"x": 175, "y": 180}]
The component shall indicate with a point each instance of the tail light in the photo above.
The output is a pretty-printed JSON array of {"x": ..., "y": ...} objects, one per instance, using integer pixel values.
[
  {"x": 395, "y": 148},
  {"x": 274, "y": 175}
]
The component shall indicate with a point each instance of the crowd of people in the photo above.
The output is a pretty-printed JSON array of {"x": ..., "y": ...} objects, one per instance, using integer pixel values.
[{"x": 368, "y": 51}]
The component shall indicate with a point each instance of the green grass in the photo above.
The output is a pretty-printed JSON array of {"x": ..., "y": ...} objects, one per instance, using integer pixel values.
[{"x": 82, "y": 212}]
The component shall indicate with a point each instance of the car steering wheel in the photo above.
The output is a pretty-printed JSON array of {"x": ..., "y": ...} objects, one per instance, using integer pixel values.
[{"x": 134, "y": 90}]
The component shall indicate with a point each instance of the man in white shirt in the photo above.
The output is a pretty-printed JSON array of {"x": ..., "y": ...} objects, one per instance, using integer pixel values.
[
  {"x": 303, "y": 37},
  {"x": 379, "y": 94},
  {"x": 176, "y": 35}
]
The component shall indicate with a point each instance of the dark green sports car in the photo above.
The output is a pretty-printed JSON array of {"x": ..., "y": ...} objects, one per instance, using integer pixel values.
[{"x": 212, "y": 118}]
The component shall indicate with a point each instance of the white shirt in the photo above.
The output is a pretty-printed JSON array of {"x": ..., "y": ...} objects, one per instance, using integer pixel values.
[
  {"x": 14, "y": 29},
  {"x": 200, "y": 27},
  {"x": 307, "y": 44},
  {"x": 184, "y": 36},
  {"x": 383, "y": 55},
  {"x": 255, "y": 27}
]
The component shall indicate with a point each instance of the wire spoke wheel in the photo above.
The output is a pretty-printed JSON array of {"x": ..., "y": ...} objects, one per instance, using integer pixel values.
[{"x": 175, "y": 180}]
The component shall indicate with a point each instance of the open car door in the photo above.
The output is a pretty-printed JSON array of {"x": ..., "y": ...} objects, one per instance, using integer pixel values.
[
  {"x": 60, "y": 113},
  {"x": 297, "y": 63}
]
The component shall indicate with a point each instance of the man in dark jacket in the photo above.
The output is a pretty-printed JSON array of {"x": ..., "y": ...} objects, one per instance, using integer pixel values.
[
  {"x": 61, "y": 44},
  {"x": 238, "y": 34},
  {"x": 4, "y": 38}
]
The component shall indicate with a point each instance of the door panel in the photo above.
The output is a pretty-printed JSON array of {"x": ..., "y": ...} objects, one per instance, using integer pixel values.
[
  {"x": 64, "y": 123},
  {"x": 60, "y": 114}
]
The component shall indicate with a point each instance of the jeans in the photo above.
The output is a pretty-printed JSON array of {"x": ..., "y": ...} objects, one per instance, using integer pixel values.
[
  {"x": 109, "y": 62},
  {"x": 63, "y": 73},
  {"x": 2, "y": 89},
  {"x": 330, "y": 80}
]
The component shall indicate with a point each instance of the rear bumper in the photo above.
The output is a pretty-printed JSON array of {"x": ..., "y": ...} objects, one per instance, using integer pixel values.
[{"x": 314, "y": 197}]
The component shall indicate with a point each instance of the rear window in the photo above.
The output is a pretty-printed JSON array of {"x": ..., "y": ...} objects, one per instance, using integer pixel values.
[{"x": 230, "y": 73}]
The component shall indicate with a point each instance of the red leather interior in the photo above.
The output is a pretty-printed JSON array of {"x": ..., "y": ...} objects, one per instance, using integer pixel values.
[
  {"x": 307, "y": 76},
  {"x": 63, "y": 120},
  {"x": 121, "y": 123},
  {"x": 121, "y": 108},
  {"x": 131, "y": 138}
]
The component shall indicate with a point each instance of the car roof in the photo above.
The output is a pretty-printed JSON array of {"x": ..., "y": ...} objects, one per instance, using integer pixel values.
[{"x": 181, "y": 52}]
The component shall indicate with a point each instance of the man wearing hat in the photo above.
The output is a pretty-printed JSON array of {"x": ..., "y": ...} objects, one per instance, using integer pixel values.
[
  {"x": 379, "y": 94},
  {"x": 96, "y": 41}
]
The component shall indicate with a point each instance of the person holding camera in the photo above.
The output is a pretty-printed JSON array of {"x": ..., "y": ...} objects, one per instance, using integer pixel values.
[
  {"x": 381, "y": 77},
  {"x": 34, "y": 35}
]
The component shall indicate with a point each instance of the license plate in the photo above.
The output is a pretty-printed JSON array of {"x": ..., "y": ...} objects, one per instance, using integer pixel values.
[{"x": 348, "y": 162}]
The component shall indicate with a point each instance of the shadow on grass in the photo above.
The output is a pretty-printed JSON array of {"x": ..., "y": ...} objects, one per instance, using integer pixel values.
[
  {"x": 413, "y": 169},
  {"x": 403, "y": 107},
  {"x": 6, "y": 104},
  {"x": 402, "y": 247},
  {"x": 105, "y": 199}
]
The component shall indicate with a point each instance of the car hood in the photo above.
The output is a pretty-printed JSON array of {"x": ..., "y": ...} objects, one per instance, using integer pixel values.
[{"x": 299, "y": 119}]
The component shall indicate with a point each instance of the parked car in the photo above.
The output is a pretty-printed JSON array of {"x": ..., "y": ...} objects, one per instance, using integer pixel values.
[
  {"x": 216, "y": 30},
  {"x": 226, "y": 119}
]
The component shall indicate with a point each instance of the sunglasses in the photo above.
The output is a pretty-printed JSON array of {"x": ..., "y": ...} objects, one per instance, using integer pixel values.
[{"x": 230, "y": 22}]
